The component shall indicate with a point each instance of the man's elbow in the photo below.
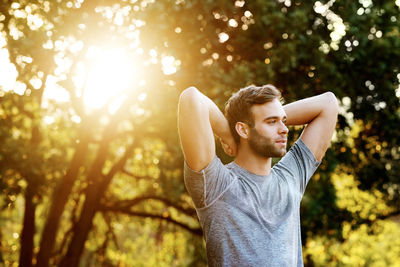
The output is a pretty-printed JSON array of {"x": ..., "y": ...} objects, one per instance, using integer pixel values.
[
  {"x": 188, "y": 94},
  {"x": 331, "y": 102},
  {"x": 190, "y": 101}
]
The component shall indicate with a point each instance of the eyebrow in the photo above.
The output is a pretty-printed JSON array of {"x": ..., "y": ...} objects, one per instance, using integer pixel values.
[{"x": 275, "y": 117}]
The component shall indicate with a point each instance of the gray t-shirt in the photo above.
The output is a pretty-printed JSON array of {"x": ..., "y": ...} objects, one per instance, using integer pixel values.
[{"x": 248, "y": 219}]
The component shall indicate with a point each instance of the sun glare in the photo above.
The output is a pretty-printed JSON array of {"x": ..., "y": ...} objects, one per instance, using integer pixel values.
[
  {"x": 109, "y": 75},
  {"x": 169, "y": 64},
  {"x": 7, "y": 70}
]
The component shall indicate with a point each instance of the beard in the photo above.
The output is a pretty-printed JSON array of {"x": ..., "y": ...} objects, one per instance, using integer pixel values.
[{"x": 263, "y": 146}]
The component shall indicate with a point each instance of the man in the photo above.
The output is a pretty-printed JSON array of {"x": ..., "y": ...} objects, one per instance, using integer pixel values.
[{"x": 248, "y": 210}]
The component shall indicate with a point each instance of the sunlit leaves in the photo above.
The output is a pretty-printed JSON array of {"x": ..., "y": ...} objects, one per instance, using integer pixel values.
[
  {"x": 166, "y": 246},
  {"x": 368, "y": 245},
  {"x": 364, "y": 204}
]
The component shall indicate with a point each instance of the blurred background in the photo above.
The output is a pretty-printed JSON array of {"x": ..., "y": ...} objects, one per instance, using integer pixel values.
[{"x": 90, "y": 161}]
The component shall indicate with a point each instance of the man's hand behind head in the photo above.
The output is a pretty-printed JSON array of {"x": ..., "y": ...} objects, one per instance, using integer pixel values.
[{"x": 229, "y": 145}]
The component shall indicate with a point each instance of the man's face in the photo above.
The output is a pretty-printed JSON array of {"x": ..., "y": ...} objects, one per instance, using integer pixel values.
[{"x": 268, "y": 136}]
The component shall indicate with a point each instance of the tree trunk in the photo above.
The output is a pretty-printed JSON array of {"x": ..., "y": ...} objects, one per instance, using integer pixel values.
[
  {"x": 98, "y": 184},
  {"x": 82, "y": 228},
  {"x": 28, "y": 230},
  {"x": 94, "y": 192},
  {"x": 59, "y": 200}
]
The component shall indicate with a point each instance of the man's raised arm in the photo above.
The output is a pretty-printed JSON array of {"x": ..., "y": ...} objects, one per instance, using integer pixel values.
[
  {"x": 198, "y": 119},
  {"x": 320, "y": 114}
]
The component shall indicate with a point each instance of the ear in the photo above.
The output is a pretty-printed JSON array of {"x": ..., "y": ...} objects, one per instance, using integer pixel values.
[{"x": 242, "y": 129}]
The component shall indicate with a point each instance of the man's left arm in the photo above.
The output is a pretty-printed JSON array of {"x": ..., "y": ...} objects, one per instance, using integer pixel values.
[{"x": 320, "y": 114}]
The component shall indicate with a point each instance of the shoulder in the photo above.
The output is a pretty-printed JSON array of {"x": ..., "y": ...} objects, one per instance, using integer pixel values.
[
  {"x": 300, "y": 148},
  {"x": 213, "y": 169},
  {"x": 298, "y": 156},
  {"x": 209, "y": 184}
]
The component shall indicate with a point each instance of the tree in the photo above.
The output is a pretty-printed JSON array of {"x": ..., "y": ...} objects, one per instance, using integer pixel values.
[{"x": 89, "y": 164}]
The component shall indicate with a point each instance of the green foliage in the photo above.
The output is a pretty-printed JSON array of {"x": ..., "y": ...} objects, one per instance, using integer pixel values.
[{"x": 372, "y": 243}]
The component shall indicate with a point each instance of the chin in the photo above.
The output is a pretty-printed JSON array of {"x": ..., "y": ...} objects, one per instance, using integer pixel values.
[{"x": 281, "y": 153}]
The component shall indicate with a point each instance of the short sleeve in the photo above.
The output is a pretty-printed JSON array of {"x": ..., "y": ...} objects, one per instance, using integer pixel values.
[
  {"x": 209, "y": 184},
  {"x": 299, "y": 164}
]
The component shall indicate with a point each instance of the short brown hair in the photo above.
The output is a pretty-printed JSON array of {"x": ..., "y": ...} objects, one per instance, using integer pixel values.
[{"x": 237, "y": 108}]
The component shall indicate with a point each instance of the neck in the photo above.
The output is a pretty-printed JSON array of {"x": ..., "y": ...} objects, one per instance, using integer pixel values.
[{"x": 253, "y": 163}]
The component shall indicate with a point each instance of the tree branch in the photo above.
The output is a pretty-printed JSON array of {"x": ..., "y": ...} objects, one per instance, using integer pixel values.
[
  {"x": 127, "y": 204},
  {"x": 118, "y": 166},
  {"x": 131, "y": 174},
  {"x": 195, "y": 231}
]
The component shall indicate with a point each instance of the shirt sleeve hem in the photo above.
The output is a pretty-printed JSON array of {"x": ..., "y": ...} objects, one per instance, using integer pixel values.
[
  {"x": 308, "y": 152},
  {"x": 205, "y": 169}
]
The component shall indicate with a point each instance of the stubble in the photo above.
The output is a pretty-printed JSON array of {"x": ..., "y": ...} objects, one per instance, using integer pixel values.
[{"x": 263, "y": 146}]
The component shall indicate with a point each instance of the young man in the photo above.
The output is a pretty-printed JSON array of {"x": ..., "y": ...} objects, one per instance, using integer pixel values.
[{"x": 248, "y": 210}]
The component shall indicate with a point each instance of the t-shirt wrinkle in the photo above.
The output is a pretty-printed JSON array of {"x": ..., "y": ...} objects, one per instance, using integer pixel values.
[
  {"x": 248, "y": 219},
  {"x": 205, "y": 187},
  {"x": 216, "y": 199}
]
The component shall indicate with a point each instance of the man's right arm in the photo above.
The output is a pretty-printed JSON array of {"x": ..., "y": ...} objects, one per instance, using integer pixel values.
[
  {"x": 198, "y": 119},
  {"x": 320, "y": 114}
]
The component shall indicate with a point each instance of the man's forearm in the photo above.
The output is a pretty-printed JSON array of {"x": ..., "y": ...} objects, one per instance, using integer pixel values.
[
  {"x": 198, "y": 120},
  {"x": 305, "y": 110},
  {"x": 218, "y": 122}
]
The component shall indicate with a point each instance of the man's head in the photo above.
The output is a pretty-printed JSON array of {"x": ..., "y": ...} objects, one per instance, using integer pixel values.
[{"x": 255, "y": 113}]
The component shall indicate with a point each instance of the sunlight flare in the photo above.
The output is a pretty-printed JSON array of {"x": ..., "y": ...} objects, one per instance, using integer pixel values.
[{"x": 109, "y": 76}]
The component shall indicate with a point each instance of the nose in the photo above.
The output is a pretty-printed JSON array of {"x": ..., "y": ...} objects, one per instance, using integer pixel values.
[{"x": 283, "y": 129}]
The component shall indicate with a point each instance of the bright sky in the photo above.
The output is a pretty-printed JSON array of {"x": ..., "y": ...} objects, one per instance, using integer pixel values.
[
  {"x": 7, "y": 70},
  {"x": 102, "y": 77}
]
